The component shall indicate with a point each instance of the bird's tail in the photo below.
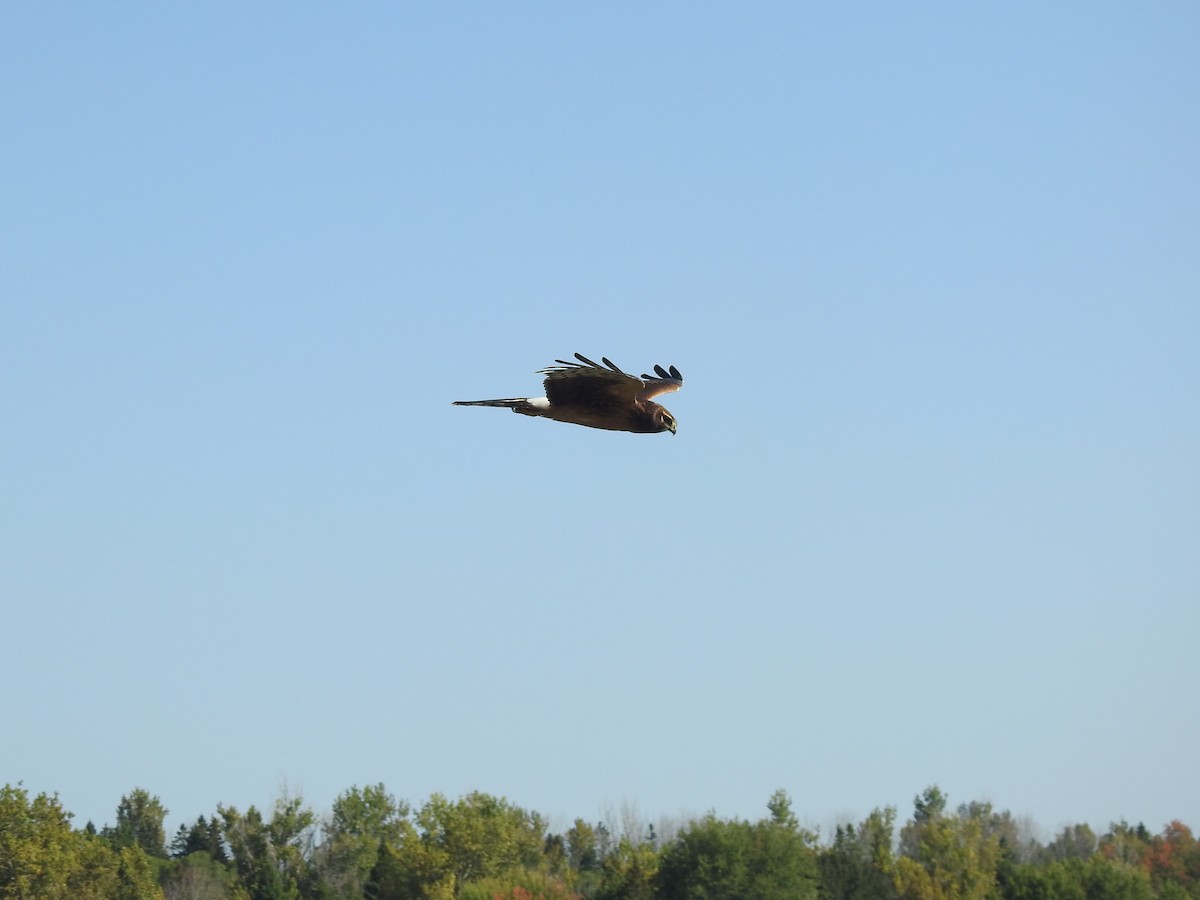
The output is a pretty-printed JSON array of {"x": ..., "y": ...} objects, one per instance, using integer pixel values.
[{"x": 511, "y": 403}]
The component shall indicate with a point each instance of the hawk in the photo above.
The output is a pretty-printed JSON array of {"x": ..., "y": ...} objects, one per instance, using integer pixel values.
[{"x": 598, "y": 396}]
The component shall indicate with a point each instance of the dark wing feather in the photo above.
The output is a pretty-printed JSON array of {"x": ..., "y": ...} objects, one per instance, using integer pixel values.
[
  {"x": 604, "y": 387},
  {"x": 664, "y": 382},
  {"x": 588, "y": 385}
]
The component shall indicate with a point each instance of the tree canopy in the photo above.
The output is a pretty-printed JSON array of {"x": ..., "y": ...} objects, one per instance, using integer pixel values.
[{"x": 481, "y": 847}]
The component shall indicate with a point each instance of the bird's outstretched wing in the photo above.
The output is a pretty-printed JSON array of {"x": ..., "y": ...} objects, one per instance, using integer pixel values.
[
  {"x": 585, "y": 383},
  {"x": 664, "y": 382}
]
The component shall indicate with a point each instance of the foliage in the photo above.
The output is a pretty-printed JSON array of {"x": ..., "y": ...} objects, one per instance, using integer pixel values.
[
  {"x": 627, "y": 872},
  {"x": 38, "y": 850},
  {"x": 135, "y": 877},
  {"x": 1107, "y": 879},
  {"x": 859, "y": 864},
  {"x": 411, "y": 875},
  {"x": 361, "y": 820},
  {"x": 1073, "y": 842},
  {"x": 198, "y": 876},
  {"x": 481, "y": 847},
  {"x": 583, "y": 854},
  {"x": 1174, "y": 859},
  {"x": 140, "y": 818},
  {"x": 480, "y": 836},
  {"x": 270, "y": 856},
  {"x": 453, "y": 843},
  {"x": 716, "y": 859},
  {"x": 202, "y": 836},
  {"x": 519, "y": 886},
  {"x": 41, "y": 856},
  {"x": 947, "y": 857}
]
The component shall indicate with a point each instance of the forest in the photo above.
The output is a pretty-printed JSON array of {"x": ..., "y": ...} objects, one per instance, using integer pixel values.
[{"x": 482, "y": 847}]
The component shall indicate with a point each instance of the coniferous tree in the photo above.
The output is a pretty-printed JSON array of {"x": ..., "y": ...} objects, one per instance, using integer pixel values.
[
  {"x": 140, "y": 818},
  {"x": 858, "y": 865}
]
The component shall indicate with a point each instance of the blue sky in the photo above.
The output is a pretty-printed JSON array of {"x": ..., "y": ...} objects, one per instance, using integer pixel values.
[{"x": 932, "y": 275}]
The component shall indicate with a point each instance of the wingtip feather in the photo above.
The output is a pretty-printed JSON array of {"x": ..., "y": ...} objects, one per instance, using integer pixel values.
[{"x": 665, "y": 374}]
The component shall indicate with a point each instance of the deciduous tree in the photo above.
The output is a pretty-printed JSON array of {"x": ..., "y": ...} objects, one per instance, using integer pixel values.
[
  {"x": 270, "y": 857},
  {"x": 1073, "y": 842},
  {"x": 716, "y": 859},
  {"x": 199, "y": 877},
  {"x": 945, "y": 857},
  {"x": 628, "y": 871},
  {"x": 38, "y": 850},
  {"x": 360, "y": 822}
]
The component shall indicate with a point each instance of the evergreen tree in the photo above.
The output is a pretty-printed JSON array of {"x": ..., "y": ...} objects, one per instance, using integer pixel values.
[
  {"x": 858, "y": 865},
  {"x": 140, "y": 824}
]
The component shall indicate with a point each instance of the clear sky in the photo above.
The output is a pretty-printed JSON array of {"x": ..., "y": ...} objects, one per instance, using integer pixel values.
[{"x": 932, "y": 275}]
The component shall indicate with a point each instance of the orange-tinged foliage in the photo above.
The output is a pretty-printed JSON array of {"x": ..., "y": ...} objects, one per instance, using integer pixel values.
[{"x": 1174, "y": 855}]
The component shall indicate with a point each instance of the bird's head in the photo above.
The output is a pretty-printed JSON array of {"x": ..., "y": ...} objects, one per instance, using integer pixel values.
[{"x": 666, "y": 421}]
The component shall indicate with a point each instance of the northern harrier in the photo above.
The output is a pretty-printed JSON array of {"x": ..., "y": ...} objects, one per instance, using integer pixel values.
[{"x": 584, "y": 393}]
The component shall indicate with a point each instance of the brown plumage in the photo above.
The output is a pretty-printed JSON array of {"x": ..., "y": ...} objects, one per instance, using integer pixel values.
[{"x": 598, "y": 396}]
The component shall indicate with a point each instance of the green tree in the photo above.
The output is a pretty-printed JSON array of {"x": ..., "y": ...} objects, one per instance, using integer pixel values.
[
  {"x": 628, "y": 871},
  {"x": 583, "y": 857},
  {"x": 182, "y": 844},
  {"x": 859, "y": 865},
  {"x": 715, "y": 859},
  {"x": 1056, "y": 880},
  {"x": 360, "y": 821},
  {"x": 554, "y": 854},
  {"x": 291, "y": 831},
  {"x": 102, "y": 872},
  {"x": 928, "y": 807},
  {"x": 1111, "y": 879},
  {"x": 1126, "y": 843},
  {"x": 945, "y": 857},
  {"x": 94, "y": 872},
  {"x": 458, "y": 842},
  {"x": 38, "y": 850},
  {"x": 1073, "y": 842},
  {"x": 254, "y": 856},
  {"x": 1016, "y": 842},
  {"x": 418, "y": 870},
  {"x": 1174, "y": 860},
  {"x": 202, "y": 836},
  {"x": 780, "y": 807},
  {"x": 140, "y": 818},
  {"x": 271, "y": 858},
  {"x": 199, "y": 877},
  {"x": 42, "y": 857},
  {"x": 1096, "y": 878},
  {"x": 876, "y": 835},
  {"x": 482, "y": 835},
  {"x": 582, "y": 852},
  {"x": 136, "y": 878}
]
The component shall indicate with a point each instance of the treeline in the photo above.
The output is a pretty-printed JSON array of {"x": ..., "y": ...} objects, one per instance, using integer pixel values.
[{"x": 481, "y": 847}]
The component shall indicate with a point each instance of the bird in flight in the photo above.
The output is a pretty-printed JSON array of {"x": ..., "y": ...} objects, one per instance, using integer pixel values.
[{"x": 598, "y": 396}]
